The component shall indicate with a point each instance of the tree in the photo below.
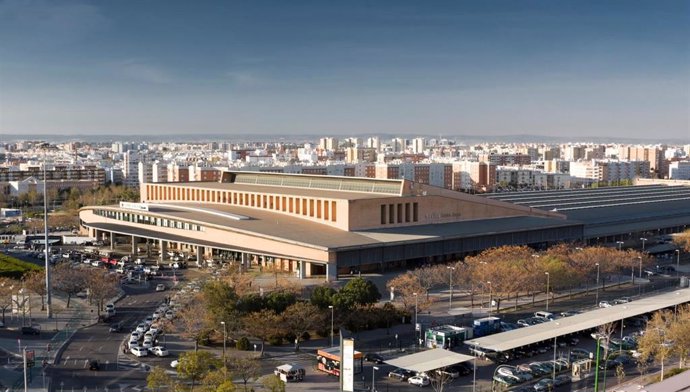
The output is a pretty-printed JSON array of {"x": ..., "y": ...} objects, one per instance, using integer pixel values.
[
  {"x": 193, "y": 320},
  {"x": 262, "y": 325},
  {"x": 69, "y": 281},
  {"x": 683, "y": 240},
  {"x": 194, "y": 365},
  {"x": 7, "y": 288},
  {"x": 322, "y": 296},
  {"x": 278, "y": 301},
  {"x": 36, "y": 281},
  {"x": 273, "y": 383},
  {"x": 246, "y": 368},
  {"x": 217, "y": 381},
  {"x": 102, "y": 286},
  {"x": 679, "y": 333},
  {"x": 429, "y": 276},
  {"x": 359, "y": 291},
  {"x": 404, "y": 286},
  {"x": 301, "y": 317},
  {"x": 440, "y": 379},
  {"x": 158, "y": 380},
  {"x": 654, "y": 343}
]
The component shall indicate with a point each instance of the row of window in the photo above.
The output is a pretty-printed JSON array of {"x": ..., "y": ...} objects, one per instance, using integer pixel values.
[
  {"x": 313, "y": 208},
  {"x": 399, "y": 213},
  {"x": 148, "y": 220},
  {"x": 339, "y": 184}
]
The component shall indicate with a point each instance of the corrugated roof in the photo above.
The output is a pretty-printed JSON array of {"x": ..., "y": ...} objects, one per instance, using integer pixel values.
[
  {"x": 542, "y": 332},
  {"x": 426, "y": 361}
]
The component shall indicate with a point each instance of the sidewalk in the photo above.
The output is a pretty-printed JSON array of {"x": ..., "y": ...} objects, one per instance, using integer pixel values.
[{"x": 47, "y": 346}]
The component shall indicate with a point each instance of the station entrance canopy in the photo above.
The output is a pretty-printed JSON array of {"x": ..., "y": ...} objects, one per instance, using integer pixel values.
[
  {"x": 563, "y": 326},
  {"x": 426, "y": 361}
]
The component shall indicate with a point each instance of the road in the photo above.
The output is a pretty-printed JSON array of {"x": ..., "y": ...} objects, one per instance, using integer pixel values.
[{"x": 118, "y": 371}]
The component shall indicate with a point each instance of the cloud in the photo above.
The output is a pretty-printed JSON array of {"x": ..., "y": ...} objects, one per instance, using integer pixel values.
[{"x": 143, "y": 72}]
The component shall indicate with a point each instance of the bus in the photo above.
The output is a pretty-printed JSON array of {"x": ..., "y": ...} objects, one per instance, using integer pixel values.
[{"x": 328, "y": 361}]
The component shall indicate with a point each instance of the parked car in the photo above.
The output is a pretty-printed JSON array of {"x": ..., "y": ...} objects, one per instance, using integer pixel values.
[
  {"x": 94, "y": 365},
  {"x": 139, "y": 351},
  {"x": 373, "y": 357},
  {"x": 400, "y": 374},
  {"x": 160, "y": 287},
  {"x": 545, "y": 384},
  {"x": 115, "y": 328},
  {"x": 605, "y": 304},
  {"x": 420, "y": 381},
  {"x": 159, "y": 351},
  {"x": 30, "y": 331}
]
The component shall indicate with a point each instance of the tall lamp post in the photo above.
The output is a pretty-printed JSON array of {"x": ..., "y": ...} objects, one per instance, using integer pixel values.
[
  {"x": 450, "y": 299},
  {"x": 332, "y": 311},
  {"x": 416, "y": 304},
  {"x": 45, "y": 231},
  {"x": 640, "y": 257},
  {"x": 491, "y": 298},
  {"x": 677, "y": 262},
  {"x": 373, "y": 378},
  {"x": 643, "y": 239},
  {"x": 547, "y": 290},
  {"x": 225, "y": 339},
  {"x": 596, "y": 298},
  {"x": 620, "y": 244}
]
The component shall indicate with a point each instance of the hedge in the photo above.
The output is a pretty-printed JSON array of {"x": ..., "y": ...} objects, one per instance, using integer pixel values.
[{"x": 14, "y": 268}]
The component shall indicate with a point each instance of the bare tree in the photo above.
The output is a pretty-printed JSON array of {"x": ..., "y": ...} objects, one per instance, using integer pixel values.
[
  {"x": 36, "y": 281},
  {"x": 440, "y": 379},
  {"x": 193, "y": 320},
  {"x": 262, "y": 325},
  {"x": 102, "y": 286},
  {"x": 246, "y": 368},
  {"x": 68, "y": 280},
  {"x": 301, "y": 317},
  {"x": 655, "y": 342},
  {"x": 7, "y": 287}
]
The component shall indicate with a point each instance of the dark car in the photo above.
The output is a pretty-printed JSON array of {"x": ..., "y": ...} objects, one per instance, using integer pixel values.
[
  {"x": 30, "y": 331},
  {"x": 94, "y": 365},
  {"x": 373, "y": 357},
  {"x": 400, "y": 374},
  {"x": 461, "y": 368},
  {"x": 115, "y": 328}
]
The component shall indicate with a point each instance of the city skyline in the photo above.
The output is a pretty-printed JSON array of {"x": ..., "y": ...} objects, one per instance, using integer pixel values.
[{"x": 587, "y": 69}]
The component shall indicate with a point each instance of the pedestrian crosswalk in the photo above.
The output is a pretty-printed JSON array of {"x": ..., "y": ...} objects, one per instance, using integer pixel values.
[{"x": 126, "y": 362}]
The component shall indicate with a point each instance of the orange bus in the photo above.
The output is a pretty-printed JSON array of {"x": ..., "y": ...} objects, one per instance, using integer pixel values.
[{"x": 328, "y": 361}]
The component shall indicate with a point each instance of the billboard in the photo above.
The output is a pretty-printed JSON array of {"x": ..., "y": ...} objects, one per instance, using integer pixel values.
[{"x": 347, "y": 373}]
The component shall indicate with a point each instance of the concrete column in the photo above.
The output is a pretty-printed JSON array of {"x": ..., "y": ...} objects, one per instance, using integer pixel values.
[
  {"x": 164, "y": 248},
  {"x": 199, "y": 256},
  {"x": 112, "y": 241},
  {"x": 331, "y": 272},
  {"x": 244, "y": 260},
  {"x": 302, "y": 269},
  {"x": 134, "y": 246}
]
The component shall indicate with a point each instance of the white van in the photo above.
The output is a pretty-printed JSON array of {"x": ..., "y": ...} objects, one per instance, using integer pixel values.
[{"x": 544, "y": 315}]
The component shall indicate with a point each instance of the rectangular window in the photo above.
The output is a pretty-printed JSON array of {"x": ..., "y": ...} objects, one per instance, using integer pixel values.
[
  {"x": 291, "y": 206},
  {"x": 399, "y": 212},
  {"x": 391, "y": 213},
  {"x": 304, "y": 206},
  {"x": 333, "y": 211},
  {"x": 383, "y": 214},
  {"x": 311, "y": 208},
  {"x": 318, "y": 209},
  {"x": 326, "y": 209},
  {"x": 415, "y": 212}
]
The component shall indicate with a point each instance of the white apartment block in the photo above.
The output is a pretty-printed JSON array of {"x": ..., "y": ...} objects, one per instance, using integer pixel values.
[
  {"x": 609, "y": 171},
  {"x": 679, "y": 170}
]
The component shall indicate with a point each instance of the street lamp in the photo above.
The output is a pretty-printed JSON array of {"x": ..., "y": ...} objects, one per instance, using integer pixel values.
[
  {"x": 474, "y": 368},
  {"x": 640, "y": 257},
  {"x": 620, "y": 244},
  {"x": 491, "y": 298},
  {"x": 547, "y": 290},
  {"x": 332, "y": 310},
  {"x": 677, "y": 262},
  {"x": 225, "y": 338},
  {"x": 415, "y": 314},
  {"x": 450, "y": 300},
  {"x": 596, "y": 298},
  {"x": 643, "y": 239},
  {"x": 373, "y": 378},
  {"x": 45, "y": 232}
]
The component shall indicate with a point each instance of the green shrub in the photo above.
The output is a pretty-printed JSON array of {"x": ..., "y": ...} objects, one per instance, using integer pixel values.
[
  {"x": 242, "y": 344},
  {"x": 275, "y": 340}
]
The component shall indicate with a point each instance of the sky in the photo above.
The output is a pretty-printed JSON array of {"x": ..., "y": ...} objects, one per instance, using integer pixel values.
[{"x": 617, "y": 68}]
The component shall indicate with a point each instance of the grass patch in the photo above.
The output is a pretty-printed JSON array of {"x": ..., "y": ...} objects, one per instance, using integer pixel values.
[{"x": 14, "y": 268}]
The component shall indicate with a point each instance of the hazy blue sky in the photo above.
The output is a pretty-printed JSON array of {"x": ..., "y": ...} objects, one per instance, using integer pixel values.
[{"x": 552, "y": 67}]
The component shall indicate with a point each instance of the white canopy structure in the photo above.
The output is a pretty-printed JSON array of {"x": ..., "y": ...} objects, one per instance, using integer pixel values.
[{"x": 429, "y": 360}]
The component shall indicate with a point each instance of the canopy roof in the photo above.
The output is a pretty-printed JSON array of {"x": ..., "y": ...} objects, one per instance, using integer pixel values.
[
  {"x": 429, "y": 360},
  {"x": 563, "y": 326}
]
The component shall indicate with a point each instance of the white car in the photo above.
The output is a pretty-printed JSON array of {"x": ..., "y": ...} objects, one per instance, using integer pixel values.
[
  {"x": 605, "y": 304},
  {"x": 159, "y": 351},
  {"x": 139, "y": 261},
  {"x": 141, "y": 328},
  {"x": 148, "y": 321},
  {"x": 136, "y": 335},
  {"x": 148, "y": 343},
  {"x": 133, "y": 343},
  {"x": 139, "y": 351},
  {"x": 160, "y": 287},
  {"x": 420, "y": 381},
  {"x": 157, "y": 314},
  {"x": 169, "y": 314},
  {"x": 109, "y": 307},
  {"x": 174, "y": 364},
  {"x": 153, "y": 331}
]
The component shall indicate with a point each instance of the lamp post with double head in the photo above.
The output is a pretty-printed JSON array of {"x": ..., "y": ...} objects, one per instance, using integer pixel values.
[
  {"x": 643, "y": 239},
  {"x": 491, "y": 297},
  {"x": 677, "y": 262},
  {"x": 225, "y": 338},
  {"x": 596, "y": 298},
  {"x": 332, "y": 312},
  {"x": 547, "y": 290},
  {"x": 373, "y": 378},
  {"x": 450, "y": 286},
  {"x": 620, "y": 244},
  {"x": 640, "y": 258}
]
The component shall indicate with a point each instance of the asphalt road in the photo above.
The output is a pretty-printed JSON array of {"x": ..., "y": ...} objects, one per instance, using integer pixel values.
[{"x": 118, "y": 371}]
